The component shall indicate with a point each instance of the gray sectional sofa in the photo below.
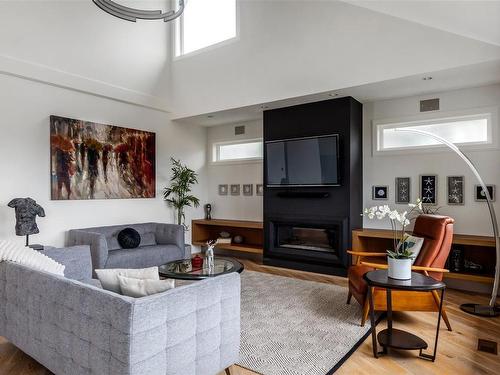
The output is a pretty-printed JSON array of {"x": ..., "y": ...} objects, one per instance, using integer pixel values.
[
  {"x": 160, "y": 244},
  {"x": 75, "y": 328}
]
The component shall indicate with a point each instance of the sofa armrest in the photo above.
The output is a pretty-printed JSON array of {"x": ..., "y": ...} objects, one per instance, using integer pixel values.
[
  {"x": 204, "y": 315},
  {"x": 77, "y": 260},
  {"x": 171, "y": 234},
  {"x": 97, "y": 243}
]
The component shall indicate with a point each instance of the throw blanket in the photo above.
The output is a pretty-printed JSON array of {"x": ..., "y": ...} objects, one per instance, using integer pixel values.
[{"x": 9, "y": 251}]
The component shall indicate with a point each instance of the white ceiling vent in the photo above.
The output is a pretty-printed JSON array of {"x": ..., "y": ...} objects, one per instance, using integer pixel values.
[{"x": 429, "y": 105}]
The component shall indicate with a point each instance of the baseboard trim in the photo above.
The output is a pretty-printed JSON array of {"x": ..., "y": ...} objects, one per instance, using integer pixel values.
[{"x": 50, "y": 76}]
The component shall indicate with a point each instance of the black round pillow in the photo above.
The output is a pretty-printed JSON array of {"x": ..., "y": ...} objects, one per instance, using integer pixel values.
[{"x": 129, "y": 238}]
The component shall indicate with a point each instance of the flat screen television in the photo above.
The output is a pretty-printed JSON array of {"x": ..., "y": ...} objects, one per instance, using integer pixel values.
[{"x": 309, "y": 161}]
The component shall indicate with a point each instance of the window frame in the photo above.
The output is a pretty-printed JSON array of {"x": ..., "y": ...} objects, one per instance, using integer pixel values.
[
  {"x": 215, "y": 150},
  {"x": 490, "y": 113},
  {"x": 177, "y": 37}
]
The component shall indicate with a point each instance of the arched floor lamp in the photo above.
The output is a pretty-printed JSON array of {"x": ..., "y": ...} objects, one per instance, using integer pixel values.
[{"x": 492, "y": 309}]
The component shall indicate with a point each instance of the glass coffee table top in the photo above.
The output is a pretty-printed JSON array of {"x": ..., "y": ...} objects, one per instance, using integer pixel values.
[{"x": 182, "y": 269}]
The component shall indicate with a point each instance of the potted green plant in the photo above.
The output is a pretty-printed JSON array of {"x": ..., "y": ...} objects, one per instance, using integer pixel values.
[
  {"x": 401, "y": 256},
  {"x": 178, "y": 194}
]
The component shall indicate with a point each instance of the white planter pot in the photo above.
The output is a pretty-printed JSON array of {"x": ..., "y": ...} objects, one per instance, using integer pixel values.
[{"x": 399, "y": 269}]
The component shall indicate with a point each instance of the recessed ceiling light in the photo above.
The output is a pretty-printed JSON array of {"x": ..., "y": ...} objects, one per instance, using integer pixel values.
[
  {"x": 263, "y": 106},
  {"x": 428, "y": 78},
  {"x": 333, "y": 94},
  {"x": 210, "y": 116}
]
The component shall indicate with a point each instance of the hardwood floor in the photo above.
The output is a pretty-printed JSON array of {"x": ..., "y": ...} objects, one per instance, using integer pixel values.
[{"x": 457, "y": 350}]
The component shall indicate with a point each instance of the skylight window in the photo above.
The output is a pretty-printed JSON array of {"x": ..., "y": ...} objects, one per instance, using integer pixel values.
[{"x": 203, "y": 24}]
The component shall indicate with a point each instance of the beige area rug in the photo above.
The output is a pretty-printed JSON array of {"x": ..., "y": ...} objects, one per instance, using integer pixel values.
[{"x": 296, "y": 327}]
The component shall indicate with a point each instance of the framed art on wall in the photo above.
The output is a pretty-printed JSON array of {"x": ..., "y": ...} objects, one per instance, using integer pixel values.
[
  {"x": 428, "y": 189},
  {"x": 259, "y": 190},
  {"x": 248, "y": 190},
  {"x": 455, "y": 190},
  {"x": 235, "y": 189},
  {"x": 223, "y": 189},
  {"x": 97, "y": 161},
  {"x": 380, "y": 192},
  {"x": 403, "y": 191},
  {"x": 480, "y": 196}
]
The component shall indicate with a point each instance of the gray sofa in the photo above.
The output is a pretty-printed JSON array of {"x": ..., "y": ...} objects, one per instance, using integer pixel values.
[
  {"x": 160, "y": 244},
  {"x": 72, "y": 327}
]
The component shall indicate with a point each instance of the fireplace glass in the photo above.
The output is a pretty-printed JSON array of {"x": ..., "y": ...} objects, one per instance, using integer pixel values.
[{"x": 312, "y": 239}]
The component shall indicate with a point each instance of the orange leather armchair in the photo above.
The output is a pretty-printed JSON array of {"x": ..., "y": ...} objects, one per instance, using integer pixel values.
[{"x": 437, "y": 232}]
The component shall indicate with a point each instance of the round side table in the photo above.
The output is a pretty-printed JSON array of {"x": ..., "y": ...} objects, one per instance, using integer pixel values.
[{"x": 396, "y": 338}]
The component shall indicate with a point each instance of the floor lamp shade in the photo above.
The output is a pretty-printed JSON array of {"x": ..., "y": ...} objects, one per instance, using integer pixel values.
[{"x": 492, "y": 309}]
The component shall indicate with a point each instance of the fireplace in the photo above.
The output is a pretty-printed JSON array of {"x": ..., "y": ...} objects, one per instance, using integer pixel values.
[{"x": 313, "y": 246}]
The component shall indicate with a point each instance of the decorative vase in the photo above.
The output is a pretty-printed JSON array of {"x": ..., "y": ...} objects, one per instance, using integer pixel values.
[
  {"x": 399, "y": 269},
  {"x": 197, "y": 262}
]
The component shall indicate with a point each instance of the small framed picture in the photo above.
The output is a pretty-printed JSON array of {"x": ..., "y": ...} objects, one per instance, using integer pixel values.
[
  {"x": 223, "y": 189},
  {"x": 380, "y": 192},
  {"x": 235, "y": 189},
  {"x": 455, "y": 190},
  {"x": 428, "y": 189},
  {"x": 403, "y": 190},
  {"x": 248, "y": 190},
  {"x": 259, "y": 190},
  {"x": 480, "y": 196}
]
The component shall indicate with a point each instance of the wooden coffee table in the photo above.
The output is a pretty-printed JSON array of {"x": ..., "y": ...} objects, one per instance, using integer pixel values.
[{"x": 222, "y": 266}]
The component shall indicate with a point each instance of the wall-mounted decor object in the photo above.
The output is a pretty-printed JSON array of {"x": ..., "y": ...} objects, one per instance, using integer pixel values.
[
  {"x": 428, "y": 189},
  {"x": 480, "y": 196},
  {"x": 132, "y": 14},
  {"x": 248, "y": 190},
  {"x": 97, "y": 161},
  {"x": 235, "y": 189},
  {"x": 259, "y": 189},
  {"x": 403, "y": 191},
  {"x": 455, "y": 191},
  {"x": 223, "y": 189},
  {"x": 26, "y": 212},
  {"x": 380, "y": 192}
]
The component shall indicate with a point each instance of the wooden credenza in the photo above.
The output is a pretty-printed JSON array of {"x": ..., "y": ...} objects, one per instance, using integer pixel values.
[
  {"x": 251, "y": 231},
  {"x": 480, "y": 249}
]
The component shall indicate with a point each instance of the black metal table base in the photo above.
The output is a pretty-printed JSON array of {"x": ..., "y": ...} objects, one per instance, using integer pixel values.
[{"x": 399, "y": 339}]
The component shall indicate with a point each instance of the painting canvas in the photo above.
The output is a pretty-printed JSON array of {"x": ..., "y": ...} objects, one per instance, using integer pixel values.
[
  {"x": 403, "y": 190},
  {"x": 455, "y": 190},
  {"x": 97, "y": 161},
  {"x": 428, "y": 189}
]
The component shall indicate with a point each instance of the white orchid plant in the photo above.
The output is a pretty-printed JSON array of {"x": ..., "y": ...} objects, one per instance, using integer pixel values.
[{"x": 399, "y": 223}]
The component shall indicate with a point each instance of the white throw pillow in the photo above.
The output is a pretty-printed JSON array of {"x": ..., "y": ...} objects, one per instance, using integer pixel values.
[
  {"x": 10, "y": 251},
  {"x": 143, "y": 287},
  {"x": 109, "y": 277},
  {"x": 415, "y": 245}
]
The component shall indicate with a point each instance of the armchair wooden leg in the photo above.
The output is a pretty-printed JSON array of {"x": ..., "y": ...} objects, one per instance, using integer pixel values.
[
  {"x": 228, "y": 371},
  {"x": 349, "y": 295},
  {"x": 366, "y": 310},
  {"x": 443, "y": 314}
]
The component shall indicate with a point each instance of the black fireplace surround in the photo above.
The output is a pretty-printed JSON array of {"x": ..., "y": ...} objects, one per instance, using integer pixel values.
[{"x": 309, "y": 228}]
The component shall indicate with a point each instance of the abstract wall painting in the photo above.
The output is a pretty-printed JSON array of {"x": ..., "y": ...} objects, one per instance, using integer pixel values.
[
  {"x": 380, "y": 192},
  {"x": 402, "y": 190},
  {"x": 455, "y": 190},
  {"x": 428, "y": 189},
  {"x": 480, "y": 196},
  {"x": 96, "y": 161}
]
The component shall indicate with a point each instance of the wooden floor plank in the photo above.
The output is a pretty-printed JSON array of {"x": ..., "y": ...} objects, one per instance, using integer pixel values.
[{"x": 457, "y": 350}]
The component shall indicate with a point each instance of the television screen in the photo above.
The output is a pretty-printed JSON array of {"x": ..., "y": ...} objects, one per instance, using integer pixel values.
[{"x": 311, "y": 161}]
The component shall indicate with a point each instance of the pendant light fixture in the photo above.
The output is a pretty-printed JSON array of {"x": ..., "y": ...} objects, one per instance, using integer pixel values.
[{"x": 132, "y": 14}]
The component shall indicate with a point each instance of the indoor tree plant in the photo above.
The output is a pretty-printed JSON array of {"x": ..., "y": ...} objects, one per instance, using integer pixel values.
[
  {"x": 400, "y": 257},
  {"x": 178, "y": 194}
]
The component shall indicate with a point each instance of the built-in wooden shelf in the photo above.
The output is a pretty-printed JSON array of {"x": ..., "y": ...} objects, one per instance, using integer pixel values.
[
  {"x": 376, "y": 240},
  {"x": 251, "y": 231}
]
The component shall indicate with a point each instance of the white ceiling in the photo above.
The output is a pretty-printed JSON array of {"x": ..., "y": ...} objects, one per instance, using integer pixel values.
[
  {"x": 474, "y": 19},
  {"x": 445, "y": 80}
]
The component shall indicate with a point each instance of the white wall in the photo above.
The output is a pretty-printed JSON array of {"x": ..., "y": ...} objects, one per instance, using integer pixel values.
[
  {"x": 234, "y": 207},
  {"x": 289, "y": 48},
  {"x": 471, "y": 218},
  {"x": 25, "y": 107}
]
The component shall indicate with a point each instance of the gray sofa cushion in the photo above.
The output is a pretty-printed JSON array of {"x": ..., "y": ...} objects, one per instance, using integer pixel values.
[
  {"x": 148, "y": 239},
  {"x": 142, "y": 257},
  {"x": 76, "y": 259}
]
